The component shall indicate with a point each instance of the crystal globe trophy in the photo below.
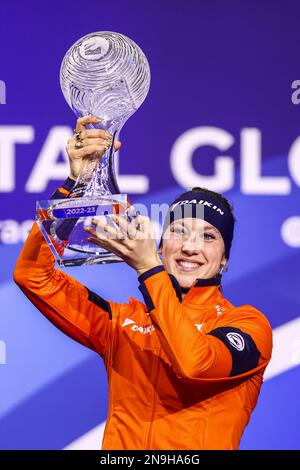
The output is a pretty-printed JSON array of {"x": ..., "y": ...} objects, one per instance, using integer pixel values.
[{"x": 106, "y": 75}]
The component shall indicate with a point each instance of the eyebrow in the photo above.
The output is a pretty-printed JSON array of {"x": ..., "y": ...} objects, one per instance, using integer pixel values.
[{"x": 206, "y": 227}]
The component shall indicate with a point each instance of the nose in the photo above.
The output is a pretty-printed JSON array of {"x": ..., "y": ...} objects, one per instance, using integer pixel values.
[{"x": 192, "y": 245}]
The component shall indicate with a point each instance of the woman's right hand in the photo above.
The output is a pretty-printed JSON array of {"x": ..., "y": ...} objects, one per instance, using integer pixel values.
[{"x": 93, "y": 140}]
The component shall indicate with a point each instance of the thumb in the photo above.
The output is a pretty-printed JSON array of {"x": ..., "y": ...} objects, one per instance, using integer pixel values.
[{"x": 117, "y": 145}]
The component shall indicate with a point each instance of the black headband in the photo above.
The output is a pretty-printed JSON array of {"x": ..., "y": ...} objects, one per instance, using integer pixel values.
[{"x": 206, "y": 207}]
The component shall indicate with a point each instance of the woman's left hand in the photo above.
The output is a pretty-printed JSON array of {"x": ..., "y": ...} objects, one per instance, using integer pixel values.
[{"x": 133, "y": 241}]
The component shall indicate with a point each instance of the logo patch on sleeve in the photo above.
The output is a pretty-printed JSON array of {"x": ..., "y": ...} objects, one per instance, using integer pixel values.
[{"x": 236, "y": 340}]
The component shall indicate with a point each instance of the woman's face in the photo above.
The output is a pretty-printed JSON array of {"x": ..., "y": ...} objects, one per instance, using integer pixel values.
[{"x": 192, "y": 248}]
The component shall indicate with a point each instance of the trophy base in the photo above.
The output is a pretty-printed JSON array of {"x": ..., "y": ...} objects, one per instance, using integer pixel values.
[{"x": 63, "y": 222}]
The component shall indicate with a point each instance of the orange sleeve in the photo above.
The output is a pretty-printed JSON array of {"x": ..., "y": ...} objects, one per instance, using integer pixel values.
[
  {"x": 239, "y": 347},
  {"x": 192, "y": 354},
  {"x": 78, "y": 312},
  {"x": 254, "y": 324}
]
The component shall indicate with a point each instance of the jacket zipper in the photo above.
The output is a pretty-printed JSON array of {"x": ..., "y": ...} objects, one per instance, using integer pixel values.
[{"x": 148, "y": 434}]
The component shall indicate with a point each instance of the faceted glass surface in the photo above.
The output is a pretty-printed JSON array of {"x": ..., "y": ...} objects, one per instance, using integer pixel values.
[{"x": 107, "y": 75}]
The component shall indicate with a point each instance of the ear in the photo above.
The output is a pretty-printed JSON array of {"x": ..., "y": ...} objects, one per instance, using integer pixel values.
[{"x": 223, "y": 261}]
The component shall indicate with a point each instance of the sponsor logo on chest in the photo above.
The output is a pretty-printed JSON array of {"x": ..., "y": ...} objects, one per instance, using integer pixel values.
[{"x": 134, "y": 327}]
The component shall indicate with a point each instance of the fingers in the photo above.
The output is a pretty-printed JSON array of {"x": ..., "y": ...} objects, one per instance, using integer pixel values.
[
  {"x": 91, "y": 138},
  {"x": 145, "y": 226},
  {"x": 87, "y": 148},
  {"x": 139, "y": 227},
  {"x": 92, "y": 141},
  {"x": 110, "y": 231},
  {"x": 102, "y": 241},
  {"x": 98, "y": 134},
  {"x": 94, "y": 133},
  {"x": 117, "y": 144},
  {"x": 108, "y": 241},
  {"x": 85, "y": 151},
  {"x": 129, "y": 228},
  {"x": 96, "y": 241},
  {"x": 86, "y": 142},
  {"x": 83, "y": 121},
  {"x": 122, "y": 229},
  {"x": 84, "y": 133}
]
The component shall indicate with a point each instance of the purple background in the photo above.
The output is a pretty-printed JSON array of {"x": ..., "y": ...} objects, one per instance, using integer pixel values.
[{"x": 213, "y": 63}]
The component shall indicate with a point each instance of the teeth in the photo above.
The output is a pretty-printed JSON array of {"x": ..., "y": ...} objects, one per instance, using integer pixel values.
[{"x": 188, "y": 264}]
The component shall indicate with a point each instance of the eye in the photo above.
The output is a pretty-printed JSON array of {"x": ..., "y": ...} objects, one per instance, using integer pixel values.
[
  {"x": 178, "y": 230},
  {"x": 209, "y": 236}
]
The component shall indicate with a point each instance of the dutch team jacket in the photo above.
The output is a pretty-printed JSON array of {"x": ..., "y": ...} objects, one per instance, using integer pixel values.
[{"x": 183, "y": 374}]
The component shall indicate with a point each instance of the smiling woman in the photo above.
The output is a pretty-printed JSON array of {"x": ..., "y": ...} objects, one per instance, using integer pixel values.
[
  {"x": 191, "y": 250},
  {"x": 181, "y": 364},
  {"x": 197, "y": 236}
]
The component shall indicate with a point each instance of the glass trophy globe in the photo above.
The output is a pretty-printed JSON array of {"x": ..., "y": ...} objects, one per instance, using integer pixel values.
[{"x": 107, "y": 75}]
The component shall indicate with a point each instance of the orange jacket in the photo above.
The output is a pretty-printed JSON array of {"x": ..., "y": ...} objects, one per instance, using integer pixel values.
[{"x": 182, "y": 374}]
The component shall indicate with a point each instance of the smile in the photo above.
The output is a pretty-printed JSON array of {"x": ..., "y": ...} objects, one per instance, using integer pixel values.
[{"x": 187, "y": 266}]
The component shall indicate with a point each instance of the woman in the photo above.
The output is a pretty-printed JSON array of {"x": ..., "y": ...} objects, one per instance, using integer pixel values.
[{"x": 186, "y": 366}]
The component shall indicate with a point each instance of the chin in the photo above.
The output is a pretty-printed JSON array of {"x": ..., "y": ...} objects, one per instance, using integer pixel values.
[
  {"x": 186, "y": 283},
  {"x": 187, "y": 280}
]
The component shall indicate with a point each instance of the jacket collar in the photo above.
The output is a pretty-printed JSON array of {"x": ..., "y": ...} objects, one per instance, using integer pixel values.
[{"x": 203, "y": 291}]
